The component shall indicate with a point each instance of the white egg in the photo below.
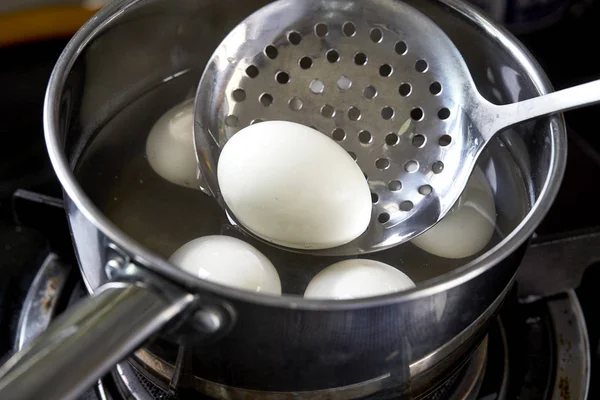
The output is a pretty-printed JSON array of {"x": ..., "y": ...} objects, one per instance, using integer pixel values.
[
  {"x": 357, "y": 278},
  {"x": 293, "y": 186},
  {"x": 170, "y": 146},
  {"x": 468, "y": 227},
  {"x": 229, "y": 262}
]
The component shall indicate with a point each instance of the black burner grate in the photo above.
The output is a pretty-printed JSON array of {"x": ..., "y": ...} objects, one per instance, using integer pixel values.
[
  {"x": 139, "y": 387},
  {"x": 155, "y": 392},
  {"x": 134, "y": 385}
]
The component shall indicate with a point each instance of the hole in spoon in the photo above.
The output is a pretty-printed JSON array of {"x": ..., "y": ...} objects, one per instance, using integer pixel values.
[
  {"x": 383, "y": 218},
  {"x": 353, "y": 114},
  {"x": 349, "y": 29},
  {"x": 231, "y": 120},
  {"x": 365, "y": 137},
  {"x": 252, "y": 71},
  {"x": 266, "y": 99},
  {"x": 419, "y": 141},
  {"x": 328, "y": 111},
  {"x": 411, "y": 166},
  {"x": 425, "y": 190},
  {"x": 282, "y": 77},
  {"x": 444, "y": 113},
  {"x": 437, "y": 167},
  {"x": 305, "y": 62},
  {"x": 394, "y": 185},
  {"x": 391, "y": 139},
  {"x": 370, "y": 92},
  {"x": 317, "y": 87},
  {"x": 404, "y": 89},
  {"x": 387, "y": 112},
  {"x": 295, "y": 104},
  {"x": 271, "y": 52},
  {"x": 321, "y": 30},
  {"x": 338, "y": 134},
  {"x": 406, "y": 206},
  {"x": 417, "y": 114},
  {"x": 294, "y": 38},
  {"x": 239, "y": 95},
  {"x": 385, "y": 70},
  {"x": 360, "y": 59},
  {"x": 401, "y": 48},
  {"x": 382, "y": 163},
  {"x": 376, "y": 35},
  {"x": 333, "y": 56},
  {"x": 344, "y": 83},
  {"x": 435, "y": 88},
  {"x": 421, "y": 66},
  {"x": 445, "y": 140}
]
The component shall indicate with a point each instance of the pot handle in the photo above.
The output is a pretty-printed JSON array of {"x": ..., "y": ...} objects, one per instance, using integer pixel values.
[{"x": 86, "y": 341}]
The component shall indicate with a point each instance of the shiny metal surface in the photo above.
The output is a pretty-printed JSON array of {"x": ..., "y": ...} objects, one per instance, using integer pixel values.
[
  {"x": 165, "y": 373},
  {"x": 345, "y": 342},
  {"x": 562, "y": 100},
  {"x": 382, "y": 80},
  {"x": 573, "y": 361},
  {"x": 39, "y": 307},
  {"x": 86, "y": 341},
  {"x": 465, "y": 339},
  {"x": 463, "y": 384},
  {"x": 469, "y": 378},
  {"x": 468, "y": 387}
]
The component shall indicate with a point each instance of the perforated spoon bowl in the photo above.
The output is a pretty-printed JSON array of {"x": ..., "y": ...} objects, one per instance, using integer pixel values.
[{"x": 382, "y": 80}]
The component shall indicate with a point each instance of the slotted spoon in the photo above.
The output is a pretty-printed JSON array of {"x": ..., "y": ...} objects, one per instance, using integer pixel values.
[{"x": 382, "y": 80}]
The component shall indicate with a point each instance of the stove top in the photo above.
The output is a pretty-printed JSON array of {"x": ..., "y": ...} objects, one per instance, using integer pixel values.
[
  {"x": 534, "y": 350},
  {"x": 542, "y": 346}
]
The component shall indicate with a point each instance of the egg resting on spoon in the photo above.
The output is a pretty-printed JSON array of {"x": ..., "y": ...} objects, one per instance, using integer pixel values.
[{"x": 292, "y": 185}]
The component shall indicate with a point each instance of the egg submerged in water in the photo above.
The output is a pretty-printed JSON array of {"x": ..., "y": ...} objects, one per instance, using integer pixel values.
[
  {"x": 229, "y": 262},
  {"x": 292, "y": 185},
  {"x": 357, "y": 278},
  {"x": 170, "y": 146},
  {"x": 469, "y": 226}
]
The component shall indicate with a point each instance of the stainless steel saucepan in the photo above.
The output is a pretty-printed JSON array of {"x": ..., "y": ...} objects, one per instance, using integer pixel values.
[{"x": 235, "y": 341}]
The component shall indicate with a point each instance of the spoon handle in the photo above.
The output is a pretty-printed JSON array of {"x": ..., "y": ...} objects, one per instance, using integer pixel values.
[{"x": 562, "y": 100}]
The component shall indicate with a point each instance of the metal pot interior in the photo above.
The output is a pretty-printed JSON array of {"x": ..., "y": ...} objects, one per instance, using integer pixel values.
[{"x": 147, "y": 56}]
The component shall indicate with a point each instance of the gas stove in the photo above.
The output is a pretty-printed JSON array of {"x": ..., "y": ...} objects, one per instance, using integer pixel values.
[
  {"x": 534, "y": 350},
  {"x": 542, "y": 345}
]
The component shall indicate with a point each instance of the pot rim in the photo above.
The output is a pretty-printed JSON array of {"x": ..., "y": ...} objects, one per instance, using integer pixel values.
[{"x": 150, "y": 260}]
